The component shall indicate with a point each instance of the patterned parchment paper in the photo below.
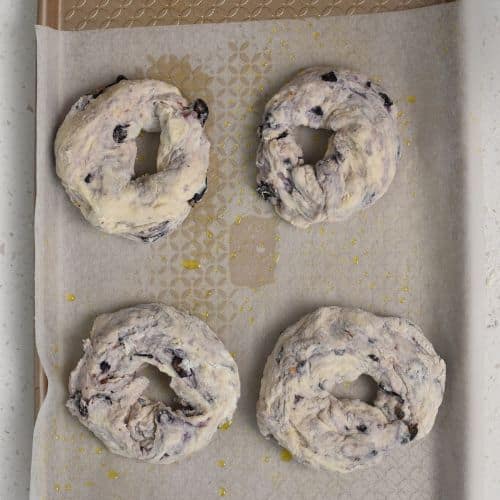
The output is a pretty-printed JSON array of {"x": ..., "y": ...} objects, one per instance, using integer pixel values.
[
  {"x": 94, "y": 14},
  {"x": 257, "y": 274}
]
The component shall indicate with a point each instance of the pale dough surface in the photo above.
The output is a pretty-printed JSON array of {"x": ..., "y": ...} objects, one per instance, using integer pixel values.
[
  {"x": 95, "y": 152},
  {"x": 335, "y": 345},
  {"x": 106, "y": 393},
  {"x": 362, "y": 154}
]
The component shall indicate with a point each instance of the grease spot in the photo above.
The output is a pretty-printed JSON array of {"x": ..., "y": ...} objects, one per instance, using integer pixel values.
[
  {"x": 252, "y": 243},
  {"x": 70, "y": 297},
  {"x": 222, "y": 492},
  {"x": 190, "y": 264},
  {"x": 226, "y": 425},
  {"x": 113, "y": 474},
  {"x": 221, "y": 463},
  {"x": 411, "y": 99},
  {"x": 285, "y": 455}
]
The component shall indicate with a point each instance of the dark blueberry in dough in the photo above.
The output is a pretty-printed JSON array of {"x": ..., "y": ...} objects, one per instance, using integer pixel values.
[
  {"x": 373, "y": 357},
  {"x": 387, "y": 100},
  {"x": 176, "y": 365},
  {"x": 266, "y": 191},
  {"x": 279, "y": 356},
  {"x": 298, "y": 398},
  {"x": 155, "y": 233},
  {"x": 329, "y": 77},
  {"x": 337, "y": 157},
  {"x": 282, "y": 135},
  {"x": 317, "y": 111},
  {"x": 143, "y": 355},
  {"x": 361, "y": 428},
  {"x": 368, "y": 198},
  {"x": 368, "y": 84},
  {"x": 287, "y": 161},
  {"x": 300, "y": 366},
  {"x": 201, "y": 109},
  {"x": 371, "y": 340},
  {"x": 400, "y": 414},
  {"x": 104, "y": 366},
  {"x": 88, "y": 178},
  {"x": 339, "y": 352},
  {"x": 374, "y": 453},
  {"x": 120, "y": 133},
  {"x": 199, "y": 195},
  {"x": 391, "y": 393},
  {"x": 82, "y": 404},
  {"x": 413, "y": 430}
]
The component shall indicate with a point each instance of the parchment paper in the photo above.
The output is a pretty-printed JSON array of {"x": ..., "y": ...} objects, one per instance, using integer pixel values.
[{"x": 257, "y": 274}]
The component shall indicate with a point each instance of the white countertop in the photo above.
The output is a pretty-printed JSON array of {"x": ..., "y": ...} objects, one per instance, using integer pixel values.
[{"x": 17, "y": 102}]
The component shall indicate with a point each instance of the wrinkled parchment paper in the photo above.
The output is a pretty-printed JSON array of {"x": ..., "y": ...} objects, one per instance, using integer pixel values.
[{"x": 256, "y": 273}]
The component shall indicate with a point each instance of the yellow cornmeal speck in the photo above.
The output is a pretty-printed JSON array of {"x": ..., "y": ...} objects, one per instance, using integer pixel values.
[
  {"x": 237, "y": 220},
  {"x": 225, "y": 426},
  {"x": 388, "y": 274},
  {"x": 140, "y": 158},
  {"x": 233, "y": 255},
  {"x": 316, "y": 34},
  {"x": 205, "y": 315},
  {"x": 354, "y": 241},
  {"x": 292, "y": 57},
  {"x": 250, "y": 109},
  {"x": 210, "y": 235},
  {"x": 98, "y": 450},
  {"x": 402, "y": 300},
  {"x": 190, "y": 264},
  {"x": 70, "y": 297},
  {"x": 400, "y": 114},
  {"x": 405, "y": 289},
  {"x": 411, "y": 99},
  {"x": 251, "y": 320},
  {"x": 322, "y": 230},
  {"x": 285, "y": 455},
  {"x": 372, "y": 285},
  {"x": 266, "y": 459},
  {"x": 408, "y": 142},
  {"x": 276, "y": 258},
  {"x": 68, "y": 487},
  {"x": 81, "y": 449},
  {"x": 89, "y": 484},
  {"x": 209, "y": 293},
  {"x": 386, "y": 299},
  {"x": 277, "y": 237},
  {"x": 57, "y": 487},
  {"x": 261, "y": 88},
  {"x": 233, "y": 354},
  {"x": 355, "y": 260},
  {"x": 222, "y": 491},
  {"x": 283, "y": 43},
  {"x": 221, "y": 463},
  {"x": 112, "y": 474},
  {"x": 227, "y": 124}
]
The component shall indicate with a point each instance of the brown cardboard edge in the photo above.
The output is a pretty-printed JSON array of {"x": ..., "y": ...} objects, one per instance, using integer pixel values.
[{"x": 50, "y": 15}]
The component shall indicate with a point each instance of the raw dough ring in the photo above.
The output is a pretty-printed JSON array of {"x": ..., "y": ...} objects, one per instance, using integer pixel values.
[
  {"x": 95, "y": 152},
  {"x": 106, "y": 392},
  {"x": 334, "y": 345},
  {"x": 362, "y": 153}
]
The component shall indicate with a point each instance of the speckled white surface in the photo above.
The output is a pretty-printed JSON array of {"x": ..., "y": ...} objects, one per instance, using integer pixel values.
[
  {"x": 490, "y": 133},
  {"x": 17, "y": 89},
  {"x": 17, "y": 102}
]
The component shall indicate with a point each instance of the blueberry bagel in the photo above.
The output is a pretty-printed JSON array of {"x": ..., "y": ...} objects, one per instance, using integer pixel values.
[
  {"x": 95, "y": 152},
  {"x": 362, "y": 154},
  {"x": 334, "y": 345},
  {"x": 106, "y": 393}
]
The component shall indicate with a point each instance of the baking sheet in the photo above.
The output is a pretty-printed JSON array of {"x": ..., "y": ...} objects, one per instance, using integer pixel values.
[
  {"x": 95, "y": 14},
  {"x": 257, "y": 274}
]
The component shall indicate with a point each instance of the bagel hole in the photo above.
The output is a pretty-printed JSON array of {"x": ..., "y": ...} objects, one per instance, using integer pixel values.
[
  {"x": 313, "y": 142},
  {"x": 159, "y": 385},
  {"x": 363, "y": 388},
  {"x": 147, "y": 151}
]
